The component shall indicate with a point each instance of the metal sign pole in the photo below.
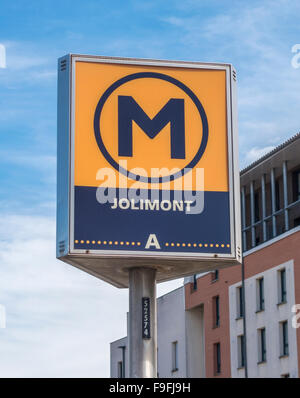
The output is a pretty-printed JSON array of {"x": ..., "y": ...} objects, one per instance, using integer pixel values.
[{"x": 142, "y": 323}]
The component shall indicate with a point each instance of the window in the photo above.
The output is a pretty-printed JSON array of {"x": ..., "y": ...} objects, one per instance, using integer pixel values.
[
  {"x": 121, "y": 364},
  {"x": 241, "y": 351},
  {"x": 240, "y": 302},
  {"x": 282, "y": 285},
  {"x": 174, "y": 356},
  {"x": 120, "y": 369},
  {"x": 262, "y": 350},
  {"x": 277, "y": 195},
  {"x": 285, "y": 376},
  {"x": 296, "y": 185},
  {"x": 217, "y": 357},
  {"x": 269, "y": 230},
  {"x": 260, "y": 294},
  {"x": 215, "y": 275},
  {"x": 256, "y": 207},
  {"x": 194, "y": 282},
  {"x": 216, "y": 310},
  {"x": 284, "y": 343},
  {"x": 296, "y": 222}
]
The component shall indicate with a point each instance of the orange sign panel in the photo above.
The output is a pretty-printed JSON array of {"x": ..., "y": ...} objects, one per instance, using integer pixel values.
[{"x": 151, "y": 93}]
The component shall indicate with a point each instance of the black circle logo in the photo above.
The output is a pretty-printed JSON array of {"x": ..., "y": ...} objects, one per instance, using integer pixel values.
[{"x": 114, "y": 163}]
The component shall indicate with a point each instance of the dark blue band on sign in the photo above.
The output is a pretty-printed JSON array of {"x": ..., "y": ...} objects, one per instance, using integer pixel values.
[
  {"x": 109, "y": 227},
  {"x": 171, "y": 80}
]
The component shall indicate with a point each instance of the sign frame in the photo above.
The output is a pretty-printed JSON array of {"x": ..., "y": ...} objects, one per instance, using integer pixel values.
[{"x": 112, "y": 265}]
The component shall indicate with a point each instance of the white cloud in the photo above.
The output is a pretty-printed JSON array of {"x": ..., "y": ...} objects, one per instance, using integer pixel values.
[
  {"x": 2, "y": 56},
  {"x": 256, "y": 153},
  {"x": 28, "y": 159},
  {"x": 175, "y": 21},
  {"x": 27, "y": 63},
  {"x": 20, "y": 62},
  {"x": 256, "y": 39},
  {"x": 24, "y": 55},
  {"x": 60, "y": 320}
]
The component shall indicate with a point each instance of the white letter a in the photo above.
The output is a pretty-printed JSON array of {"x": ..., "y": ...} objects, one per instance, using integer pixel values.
[{"x": 152, "y": 241}]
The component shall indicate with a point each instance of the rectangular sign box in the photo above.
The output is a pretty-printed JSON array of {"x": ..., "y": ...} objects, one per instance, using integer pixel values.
[{"x": 148, "y": 170}]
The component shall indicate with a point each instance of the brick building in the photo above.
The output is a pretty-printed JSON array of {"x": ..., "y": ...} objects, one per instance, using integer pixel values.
[
  {"x": 211, "y": 339},
  {"x": 270, "y": 192}
]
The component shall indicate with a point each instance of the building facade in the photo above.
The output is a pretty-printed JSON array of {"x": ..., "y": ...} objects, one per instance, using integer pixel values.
[
  {"x": 270, "y": 198},
  {"x": 171, "y": 340},
  {"x": 269, "y": 353},
  {"x": 209, "y": 325}
]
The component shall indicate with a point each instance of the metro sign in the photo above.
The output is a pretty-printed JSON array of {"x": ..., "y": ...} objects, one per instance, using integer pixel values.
[{"x": 147, "y": 166}]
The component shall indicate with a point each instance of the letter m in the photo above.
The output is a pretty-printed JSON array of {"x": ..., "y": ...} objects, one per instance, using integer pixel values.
[{"x": 172, "y": 112}]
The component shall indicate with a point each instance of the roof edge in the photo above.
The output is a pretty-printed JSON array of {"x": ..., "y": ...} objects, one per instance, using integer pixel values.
[{"x": 289, "y": 141}]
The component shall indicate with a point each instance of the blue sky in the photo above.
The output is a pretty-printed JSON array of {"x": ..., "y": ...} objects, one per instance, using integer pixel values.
[{"x": 38, "y": 291}]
